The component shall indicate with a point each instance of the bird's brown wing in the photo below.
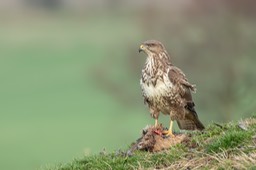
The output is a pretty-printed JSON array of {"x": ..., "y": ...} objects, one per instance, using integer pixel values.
[{"x": 191, "y": 121}]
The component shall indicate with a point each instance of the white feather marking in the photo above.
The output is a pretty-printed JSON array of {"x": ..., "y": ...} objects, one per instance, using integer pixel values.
[
  {"x": 160, "y": 89},
  {"x": 149, "y": 64}
]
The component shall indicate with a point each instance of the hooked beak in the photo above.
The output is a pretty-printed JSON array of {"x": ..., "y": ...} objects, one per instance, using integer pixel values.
[{"x": 141, "y": 48}]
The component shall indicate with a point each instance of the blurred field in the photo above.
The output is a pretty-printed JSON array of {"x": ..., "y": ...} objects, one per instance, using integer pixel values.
[
  {"x": 70, "y": 80},
  {"x": 52, "y": 109}
]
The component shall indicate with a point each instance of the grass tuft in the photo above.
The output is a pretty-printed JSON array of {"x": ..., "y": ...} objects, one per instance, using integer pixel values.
[{"x": 228, "y": 140}]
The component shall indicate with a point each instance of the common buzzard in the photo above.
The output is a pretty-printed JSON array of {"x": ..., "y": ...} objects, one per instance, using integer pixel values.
[{"x": 166, "y": 89}]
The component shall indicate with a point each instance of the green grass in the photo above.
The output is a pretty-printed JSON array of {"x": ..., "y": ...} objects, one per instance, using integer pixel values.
[
  {"x": 115, "y": 161},
  {"x": 225, "y": 146},
  {"x": 228, "y": 140}
]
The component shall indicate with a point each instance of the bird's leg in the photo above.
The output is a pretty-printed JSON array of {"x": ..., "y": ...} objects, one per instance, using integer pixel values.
[
  {"x": 154, "y": 113},
  {"x": 169, "y": 131},
  {"x": 156, "y": 122}
]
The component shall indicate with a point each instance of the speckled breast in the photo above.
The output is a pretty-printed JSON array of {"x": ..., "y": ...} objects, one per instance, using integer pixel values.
[{"x": 159, "y": 95}]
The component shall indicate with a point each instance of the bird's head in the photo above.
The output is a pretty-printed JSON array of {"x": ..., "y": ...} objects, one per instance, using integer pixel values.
[{"x": 152, "y": 47}]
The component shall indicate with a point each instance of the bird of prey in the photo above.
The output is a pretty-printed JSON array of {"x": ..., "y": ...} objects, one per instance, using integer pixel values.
[{"x": 166, "y": 89}]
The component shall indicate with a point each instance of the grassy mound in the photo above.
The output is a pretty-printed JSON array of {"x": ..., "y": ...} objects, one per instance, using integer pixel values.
[{"x": 220, "y": 146}]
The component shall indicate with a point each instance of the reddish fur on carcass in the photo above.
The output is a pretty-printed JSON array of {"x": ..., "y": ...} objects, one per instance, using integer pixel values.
[{"x": 153, "y": 140}]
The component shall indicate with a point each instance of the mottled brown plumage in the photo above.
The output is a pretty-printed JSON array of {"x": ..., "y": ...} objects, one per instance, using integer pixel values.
[{"x": 166, "y": 89}]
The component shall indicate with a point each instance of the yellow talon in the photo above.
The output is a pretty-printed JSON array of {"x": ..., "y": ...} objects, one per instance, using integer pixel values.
[{"x": 169, "y": 131}]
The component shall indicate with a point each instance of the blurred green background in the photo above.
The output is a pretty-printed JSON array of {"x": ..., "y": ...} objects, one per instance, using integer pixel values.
[{"x": 70, "y": 71}]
